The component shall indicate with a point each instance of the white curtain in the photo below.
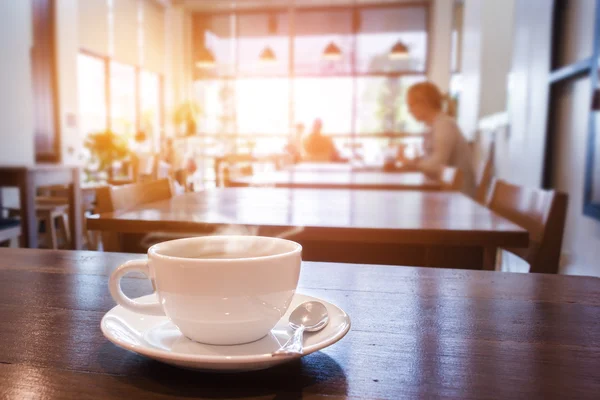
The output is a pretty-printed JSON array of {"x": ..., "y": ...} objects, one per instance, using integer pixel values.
[
  {"x": 126, "y": 32},
  {"x": 154, "y": 37},
  {"x": 93, "y": 26}
]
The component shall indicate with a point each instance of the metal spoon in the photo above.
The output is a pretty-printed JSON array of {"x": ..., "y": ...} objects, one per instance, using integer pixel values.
[{"x": 310, "y": 317}]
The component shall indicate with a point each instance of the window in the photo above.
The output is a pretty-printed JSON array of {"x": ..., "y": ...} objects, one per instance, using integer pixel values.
[
  {"x": 329, "y": 99},
  {"x": 122, "y": 99},
  {"x": 316, "y": 30},
  {"x": 130, "y": 88},
  {"x": 262, "y": 106},
  {"x": 251, "y": 104},
  {"x": 381, "y": 28},
  {"x": 150, "y": 118},
  {"x": 91, "y": 84},
  {"x": 381, "y": 105},
  {"x": 257, "y": 34}
]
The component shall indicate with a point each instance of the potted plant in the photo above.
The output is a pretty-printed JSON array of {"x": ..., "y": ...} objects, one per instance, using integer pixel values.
[
  {"x": 105, "y": 148},
  {"x": 185, "y": 116}
]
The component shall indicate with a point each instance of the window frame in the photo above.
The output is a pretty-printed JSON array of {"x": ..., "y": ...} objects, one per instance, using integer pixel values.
[
  {"x": 292, "y": 74},
  {"x": 106, "y": 60}
]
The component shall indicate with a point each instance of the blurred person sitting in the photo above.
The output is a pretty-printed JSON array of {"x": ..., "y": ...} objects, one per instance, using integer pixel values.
[
  {"x": 445, "y": 145},
  {"x": 319, "y": 147}
]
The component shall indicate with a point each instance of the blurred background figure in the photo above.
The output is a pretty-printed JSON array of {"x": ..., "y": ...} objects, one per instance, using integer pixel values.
[
  {"x": 319, "y": 147},
  {"x": 444, "y": 145}
]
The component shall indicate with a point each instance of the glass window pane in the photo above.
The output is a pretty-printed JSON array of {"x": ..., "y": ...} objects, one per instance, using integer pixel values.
[
  {"x": 151, "y": 107},
  {"x": 216, "y": 99},
  {"x": 381, "y": 105},
  {"x": 92, "y": 93},
  {"x": 263, "y": 106},
  {"x": 122, "y": 99},
  {"x": 329, "y": 99},
  {"x": 315, "y": 30},
  {"x": 381, "y": 29},
  {"x": 257, "y": 32}
]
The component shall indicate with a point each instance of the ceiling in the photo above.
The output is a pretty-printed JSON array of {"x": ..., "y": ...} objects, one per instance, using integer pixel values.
[{"x": 221, "y": 5}]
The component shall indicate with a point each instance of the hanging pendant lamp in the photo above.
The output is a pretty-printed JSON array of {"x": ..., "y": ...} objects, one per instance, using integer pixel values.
[
  {"x": 205, "y": 59},
  {"x": 332, "y": 52},
  {"x": 399, "y": 51},
  {"x": 267, "y": 55}
]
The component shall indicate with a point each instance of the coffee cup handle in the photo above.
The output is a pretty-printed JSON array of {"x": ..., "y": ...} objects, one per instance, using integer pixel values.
[{"x": 114, "y": 285}]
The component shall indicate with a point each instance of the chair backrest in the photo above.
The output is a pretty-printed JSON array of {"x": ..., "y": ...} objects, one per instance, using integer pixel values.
[
  {"x": 452, "y": 178},
  {"x": 542, "y": 213},
  {"x": 125, "y": 197},
  {"x": 229, "y": 165},
  {"x": 486, "y": 176}
]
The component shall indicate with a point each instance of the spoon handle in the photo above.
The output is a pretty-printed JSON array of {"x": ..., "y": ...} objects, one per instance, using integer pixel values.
[{"x": 294, "y": 344}]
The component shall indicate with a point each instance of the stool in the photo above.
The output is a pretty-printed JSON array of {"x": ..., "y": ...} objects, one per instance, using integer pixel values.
[{"x": 50, "y": 215}]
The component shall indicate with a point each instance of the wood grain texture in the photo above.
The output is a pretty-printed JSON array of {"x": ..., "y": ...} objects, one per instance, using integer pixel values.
[
  {"x": 542, "y": 213},
  {"x": 427, "y": 218},
  {"x": 338, "y": 179},
  {"x": 437, "y": 229},
  {"x": 416, "y": 333}
]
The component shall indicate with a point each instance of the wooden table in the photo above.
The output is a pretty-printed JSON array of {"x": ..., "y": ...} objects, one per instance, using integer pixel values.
[
  {"x": 339, "y": 179},
  {"x": 364, "y": 226},
  {"x": 416, "y": 333},
  {"x": 27, "y": 179}
]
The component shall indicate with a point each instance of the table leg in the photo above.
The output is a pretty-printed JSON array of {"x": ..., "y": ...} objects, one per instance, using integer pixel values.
[
  {"x": 489, "y": 258},
  {"x": 29, "y": 234},
  {"x": 75, "y": 211}
]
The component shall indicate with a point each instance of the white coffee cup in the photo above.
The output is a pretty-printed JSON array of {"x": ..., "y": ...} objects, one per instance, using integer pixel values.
[{"x": 218, "y": 290}]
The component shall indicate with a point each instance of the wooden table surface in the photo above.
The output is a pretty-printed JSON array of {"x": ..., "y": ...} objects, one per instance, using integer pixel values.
[
  {"x": 339, "y": 179},
  {"x": 416, "y": 333},
  {"x": 326, "y": 217}
]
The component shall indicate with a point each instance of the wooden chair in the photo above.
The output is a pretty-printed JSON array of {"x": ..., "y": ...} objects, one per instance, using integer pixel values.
[
  {"x": 542, "y": 213},
  {"x": 10, "y": 230},
  {"x": 126, "y": 197},
  {"x": 58, "y": 194},
  {"x": 485, "y": 177},
  {"x": 232, "y": 165},
  {"x": 452, "y": 179},
  {"x": 52, "y": 214}
]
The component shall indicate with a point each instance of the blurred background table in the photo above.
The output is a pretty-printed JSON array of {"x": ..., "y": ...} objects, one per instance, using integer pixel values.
[
  {"x": 364, "y": 226},
  {"x": 338, "y": 177}
]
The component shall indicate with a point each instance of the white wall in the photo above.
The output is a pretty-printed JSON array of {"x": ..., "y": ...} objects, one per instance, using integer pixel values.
[
  {"x": 487, "y": 51},
  {"x": 528, "y": 93},
  {"x": 441, "y": 23},
  {"x": 16, "y": 103}
]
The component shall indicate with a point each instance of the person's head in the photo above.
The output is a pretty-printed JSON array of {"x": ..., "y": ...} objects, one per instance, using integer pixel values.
[
  {"x": 425, "y": 101},
  {"x": 317, "y": 125}
]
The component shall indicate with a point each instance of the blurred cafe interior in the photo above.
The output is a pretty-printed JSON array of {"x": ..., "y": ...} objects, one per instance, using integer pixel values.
[{"x": 437, "y": 161}]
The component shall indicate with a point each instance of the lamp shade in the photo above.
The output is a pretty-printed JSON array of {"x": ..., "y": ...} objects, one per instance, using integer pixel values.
[
  {"x": 332, "y": 52},
  {"x": 267, "y": 55},
  {"x": 399, "y": 51},
  {"x": 205, "y": 59}
]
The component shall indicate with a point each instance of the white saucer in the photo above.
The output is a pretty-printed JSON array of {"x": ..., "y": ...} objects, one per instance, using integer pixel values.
[{"x": 158, "y": 338}]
